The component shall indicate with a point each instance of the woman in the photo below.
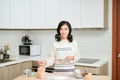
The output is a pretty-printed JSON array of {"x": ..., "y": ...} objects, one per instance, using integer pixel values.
[{"x": 65, "y": 51}]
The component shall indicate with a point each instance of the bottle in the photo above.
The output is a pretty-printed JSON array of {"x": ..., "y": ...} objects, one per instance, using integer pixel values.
[
  {"x": 41, "y": 72},
  {"x": 1, "y": 53},
  {"x": 5, "y": 53}
]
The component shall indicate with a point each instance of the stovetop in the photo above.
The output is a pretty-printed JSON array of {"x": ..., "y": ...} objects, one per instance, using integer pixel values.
[{"x": 87, "y": 60}]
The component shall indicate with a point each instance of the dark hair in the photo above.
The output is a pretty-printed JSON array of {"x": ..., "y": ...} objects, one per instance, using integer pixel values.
[{"x": 57, "y": 36}]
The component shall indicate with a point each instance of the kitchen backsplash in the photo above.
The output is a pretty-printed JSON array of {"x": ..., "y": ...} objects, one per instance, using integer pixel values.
[{"x": 91, "y": 43}]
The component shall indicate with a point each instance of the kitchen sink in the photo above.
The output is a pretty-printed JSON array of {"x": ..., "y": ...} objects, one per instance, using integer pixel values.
[{"x": 4, "y": 61}]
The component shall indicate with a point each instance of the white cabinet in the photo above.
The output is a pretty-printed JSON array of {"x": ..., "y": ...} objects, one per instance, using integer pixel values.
[
  {"x": 4, "y": 13},
  {"x": 92, "y": 13},
  {"x": 20, "y": 13},
  {"x": 46, "y": 14},
  {"x": 37, "y": 14},
  {"x": 52, "y": 13},
  {"x": 70, "y": 11}
]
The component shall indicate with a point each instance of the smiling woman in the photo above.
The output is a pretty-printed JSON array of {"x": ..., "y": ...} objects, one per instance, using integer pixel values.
[{"x": 64, "y": 51}]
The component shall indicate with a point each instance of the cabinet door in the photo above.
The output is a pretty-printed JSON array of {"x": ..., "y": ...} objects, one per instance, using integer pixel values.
[
  {"x": 1, "y": 75},
  {"x": 46, "y": 14},
  {"x": 27, "y": 65},
  {"x": 70, "y": 11},
  {"x": 10, "y": 72},
  {"x": 52, "y": 13},
  {"x": 20, "y": 13},
  {"x": 37, "y": 14},
  {"x": 14, "y": 71},
  {"x": 4, "y": 14},
  {"x": 5, "y": 73},
  {"x": 92, "y": 13}
]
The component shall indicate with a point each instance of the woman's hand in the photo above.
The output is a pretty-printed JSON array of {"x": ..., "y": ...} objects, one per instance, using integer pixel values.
[
  {"x": 42, "y": 62},
  {"x": 69, "y": 58}
]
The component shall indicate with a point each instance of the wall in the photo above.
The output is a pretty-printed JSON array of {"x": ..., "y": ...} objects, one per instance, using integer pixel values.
[
  {"x": 13, "y": 37},
  {"x": 92, "y": 43}
]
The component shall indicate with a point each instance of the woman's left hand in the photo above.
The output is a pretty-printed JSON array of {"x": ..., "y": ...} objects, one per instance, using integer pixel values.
[
  {"x": 70, "y": 58},
  {"x": 42, "y": 62}
]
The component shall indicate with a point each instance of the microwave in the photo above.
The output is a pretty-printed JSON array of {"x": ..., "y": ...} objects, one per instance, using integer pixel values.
[{"x": 29, "y": 50}]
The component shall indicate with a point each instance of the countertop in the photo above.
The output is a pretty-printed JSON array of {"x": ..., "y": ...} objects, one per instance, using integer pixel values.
[
  {"x": 37, "y": 58},
  {"x": 20, "y": 59},
  {"x": 98, "y": 63},
  {"x": 52, "y": 76}
]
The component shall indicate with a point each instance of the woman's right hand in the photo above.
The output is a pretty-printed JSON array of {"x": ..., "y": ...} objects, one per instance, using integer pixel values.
[{"x": 42, "y": 62}]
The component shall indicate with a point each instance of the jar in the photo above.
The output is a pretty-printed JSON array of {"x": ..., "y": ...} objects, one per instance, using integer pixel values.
[{"x": 79, "y": 73}]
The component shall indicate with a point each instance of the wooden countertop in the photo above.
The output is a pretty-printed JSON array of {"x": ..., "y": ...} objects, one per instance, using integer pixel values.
[{"x": 95, "y": 77}]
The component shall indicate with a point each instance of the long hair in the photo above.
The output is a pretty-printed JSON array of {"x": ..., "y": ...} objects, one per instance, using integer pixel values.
[{"x": 57, "y": 36}]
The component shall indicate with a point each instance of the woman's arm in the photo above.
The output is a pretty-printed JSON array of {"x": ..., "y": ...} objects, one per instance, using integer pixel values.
[
  {"x": 51, "y": 58},
  {"x": 76, "y": 51}
]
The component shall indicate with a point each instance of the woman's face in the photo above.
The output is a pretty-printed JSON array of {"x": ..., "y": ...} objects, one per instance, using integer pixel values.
[{"x": 64, "y": 31}]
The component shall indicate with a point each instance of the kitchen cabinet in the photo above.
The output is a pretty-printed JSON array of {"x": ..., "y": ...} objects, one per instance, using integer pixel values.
[
  {"x": 92, "y": 13},
  {"x": 52, "y": 10},
  {"x": 26, "y": 65},
  {"x": 70, "y": 11},
  {"x": 12, "y": 71},
  {"x": 103, "y": 70},
  {"x": 37, "y": 14},
  {"x": 46, "y": 14},
  {"x": 5, "y": 73},
  {"x": 9, "y": 72},
  {"x": 4, "y": 14},
  {"x": 34, "y": 63},
  {"x": 20, "y": 13},
  {"x": 1, "y": 74}
]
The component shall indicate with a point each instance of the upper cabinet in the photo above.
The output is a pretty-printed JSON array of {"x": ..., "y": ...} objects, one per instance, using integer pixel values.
[
  {"x": 52, "y": 13},
  {"x": 20, "y": 14},
  {"x": 46, "y": 14},
  {"x": 37, "y": 14},
  {"x": 4, "y": 13},
  {"x": 92, "y": 13},
  {"x": 70, "y": 11}
]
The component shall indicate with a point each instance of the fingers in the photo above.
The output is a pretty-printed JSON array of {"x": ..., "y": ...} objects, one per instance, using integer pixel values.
[
  {"x": 70, "y": 58},
  {"x": 42, "y": 62},
  {"x": 88, "y": 76}
]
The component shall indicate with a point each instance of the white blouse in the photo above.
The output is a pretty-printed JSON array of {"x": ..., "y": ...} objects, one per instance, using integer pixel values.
[{"x": 62, "y": 49}]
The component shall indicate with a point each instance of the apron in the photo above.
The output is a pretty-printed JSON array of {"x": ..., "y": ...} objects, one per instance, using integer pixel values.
[{"x": 62, "y": 66}]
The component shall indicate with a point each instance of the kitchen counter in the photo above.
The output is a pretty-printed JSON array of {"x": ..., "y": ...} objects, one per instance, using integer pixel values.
[
  {"x": 98, "y": 63},
  {"x": 52, "y": 76},
  {"x": 37, "y": 58},
  {"x": 26, "y": 62},
  {"x": 20, "y": 59}
]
